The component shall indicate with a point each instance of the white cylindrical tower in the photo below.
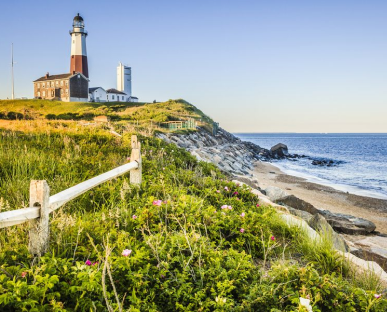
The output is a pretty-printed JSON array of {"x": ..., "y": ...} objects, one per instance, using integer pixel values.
[
  {"x": 78, "y": 47},
  {"x": 124, "y": 79}
]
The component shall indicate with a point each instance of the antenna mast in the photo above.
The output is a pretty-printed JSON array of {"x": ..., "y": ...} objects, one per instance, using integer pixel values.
[{"x": 13, "y": 88}]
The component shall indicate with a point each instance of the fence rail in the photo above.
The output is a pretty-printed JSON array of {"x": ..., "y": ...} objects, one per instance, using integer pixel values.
[{"x": 42, "y": 204}]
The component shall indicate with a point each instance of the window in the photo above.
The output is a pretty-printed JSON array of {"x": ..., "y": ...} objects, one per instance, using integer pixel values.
[
  {"x": 112, "y": 97},
  {"x": 52, "y": 93},
  {"x": 67, "y": 91},
  {"x": 52, "y": 84},
  {"x": 57, "y": 83},
  {"x": 38, "y": 85},
  {"x": 38, "y": 93},
  {"x": 122, "y": 97},
  {"x": 67, "y": 83},
  {"x": 44, "y": 93},
  {"x": 61, "y": 83},
  {"x": 43, "y": 85}
]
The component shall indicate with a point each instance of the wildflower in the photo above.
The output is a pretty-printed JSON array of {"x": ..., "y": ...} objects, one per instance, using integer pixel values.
[
  {"x": 306, "y": 303},
  {"x": 242, "y": 230},
  {"x": 223, "y": 213},
  {"x": 377, "y": 296},
  {"x": 220, "y": 299},
  {"x": 134, "y": 217},
  {"x": 258, "y": 205},
  {"x": 235, "y": 193},
  {"x": 157, "y": 202},
  {"x": 88, "y": 262},
  {"x": 217, "y": 191},
  {"x": 128, "y": 158},
  {"x": 24, "y": 274},
  {"x": 126, "y": 252},
  {"x": 162, "y": 276},
  {"x": 163, "y": 168},
  {"x": 150, "y": 151},
  {"x": 229, "y": 207},
  {"x": 215, "y": 211},
  {"x": 224, "y": 207},
  {"x": 165, "y": 202},
  {"x": 237, "y": 198},
  {"x": 242, "y": 214},
  {"x": 272, "y": 238},
  {"x": 226, "y": 188}
]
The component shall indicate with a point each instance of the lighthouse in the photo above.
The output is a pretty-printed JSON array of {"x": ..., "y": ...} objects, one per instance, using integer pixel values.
[{"x": 78, "y": 34}]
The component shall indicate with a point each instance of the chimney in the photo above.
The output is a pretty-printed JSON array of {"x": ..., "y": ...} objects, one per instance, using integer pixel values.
[
  {"x": 47, "y": 75},
  {"x": 73, "y": 72}
]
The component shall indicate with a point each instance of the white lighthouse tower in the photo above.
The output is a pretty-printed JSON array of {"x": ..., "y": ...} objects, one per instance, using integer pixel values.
[
  {"x": 78, "y": 47},
  {"x": 124, "y": 79}
]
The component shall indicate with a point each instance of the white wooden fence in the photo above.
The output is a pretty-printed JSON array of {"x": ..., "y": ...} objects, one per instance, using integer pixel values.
[{"x": 42, "y": 204}]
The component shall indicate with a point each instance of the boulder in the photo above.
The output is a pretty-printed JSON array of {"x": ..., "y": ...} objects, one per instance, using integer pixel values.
[
  {"x": 372, "y": 248},
  {"x": 302, "y": 214},
  {"x": 348, "y": 224},
  {"x": 279, "y": 150},
  {"x": 297, "y": 203},
  {"x": 275, "y": 193},
  {"x": 318, "y": 223}
]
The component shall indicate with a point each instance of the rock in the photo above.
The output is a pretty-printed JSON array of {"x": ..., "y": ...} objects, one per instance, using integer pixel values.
[
  {"x": 318, "y": 223},
  {"x": 367, "y": 269},
  {"x": 279, "y": 150},
  {"x": 297, "y": 203},
  {"x": 372, "y": 248},
  {"x": 302, "y": 214},
  {"x": 275, "y": 193},
  {"x": 348, "y": 224}
]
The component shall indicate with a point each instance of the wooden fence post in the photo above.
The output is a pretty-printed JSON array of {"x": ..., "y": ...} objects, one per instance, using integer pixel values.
[
  {"x": 136, "y": 174},
  {"x": 40, "y": 227}
]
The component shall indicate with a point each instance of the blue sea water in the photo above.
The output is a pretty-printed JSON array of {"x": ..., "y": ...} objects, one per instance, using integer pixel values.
[{"x": 363, "y": 157}]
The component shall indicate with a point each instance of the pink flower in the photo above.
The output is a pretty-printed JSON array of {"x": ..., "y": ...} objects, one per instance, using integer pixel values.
[
  {"x": 377, "y": 296},
  {"x": 224, "y": 207},
  {"x": 272, "y": 238},
  {"x": 242, "y": 230},
  {"x": 157, "y": 202},
  {"x": 88, "y": 262},
  {"x": 128, "y": 159},
  {"x": 165, "y": 202},
  {"x": 215, "y": 211},
  {"x": 257, "y": 205},
  {"x": 235, "y": 193},
  {"x": 237, "y": 198},
  {"x": 24, "y": 274},
  {"x": 126, "y": 252},
  {"x": 242, "y": 214},
  {"x": 226, "y": 188},
  {"x": 217, "y": 191},
  {"x": 229, "y": 207},
  {"x": 134, "y": 217}
]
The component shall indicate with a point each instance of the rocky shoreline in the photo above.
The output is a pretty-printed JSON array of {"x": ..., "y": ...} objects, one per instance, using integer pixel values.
[{"x": 238, "y": 158}]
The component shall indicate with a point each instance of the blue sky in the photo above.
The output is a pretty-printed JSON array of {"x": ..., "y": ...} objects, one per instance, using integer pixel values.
[{"x": 254, "y": 66}]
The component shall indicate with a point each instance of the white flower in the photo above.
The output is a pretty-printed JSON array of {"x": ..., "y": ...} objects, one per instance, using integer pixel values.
[{"x": 306, "y": 303}]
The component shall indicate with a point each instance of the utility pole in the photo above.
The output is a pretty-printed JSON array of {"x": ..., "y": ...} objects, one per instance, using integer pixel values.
[{"x": 13, "y": 88}]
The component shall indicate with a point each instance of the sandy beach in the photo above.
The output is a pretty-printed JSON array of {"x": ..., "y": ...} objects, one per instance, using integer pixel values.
[{"x": 324, "y": 197}]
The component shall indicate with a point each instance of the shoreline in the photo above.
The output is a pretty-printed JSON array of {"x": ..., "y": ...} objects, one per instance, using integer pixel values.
[
  {"x": 346, "y": 188},
  {"x": 322, "y": 196}
]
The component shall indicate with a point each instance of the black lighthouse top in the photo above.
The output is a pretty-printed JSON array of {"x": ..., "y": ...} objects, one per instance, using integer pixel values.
[{"x": 78, "y": 21}]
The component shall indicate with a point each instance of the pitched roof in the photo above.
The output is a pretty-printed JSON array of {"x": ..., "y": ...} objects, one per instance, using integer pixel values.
[
  {"x": 95, "y": 88},
  {"x": 115, "y": 91},
  {"x": 133, "y": 97},
  {"x": 53, "y": 77}
]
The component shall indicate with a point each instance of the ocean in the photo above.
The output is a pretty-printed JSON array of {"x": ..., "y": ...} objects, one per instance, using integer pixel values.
[{"x": 362, "y": 167}]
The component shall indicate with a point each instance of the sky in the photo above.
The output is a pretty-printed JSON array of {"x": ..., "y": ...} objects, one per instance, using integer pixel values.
[{"x": 253, "y": 66}]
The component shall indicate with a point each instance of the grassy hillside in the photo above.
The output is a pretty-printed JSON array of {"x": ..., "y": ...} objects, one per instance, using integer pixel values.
[
  {"x": 197, "y": 241},
  {"x": 157, "y": 112}
]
